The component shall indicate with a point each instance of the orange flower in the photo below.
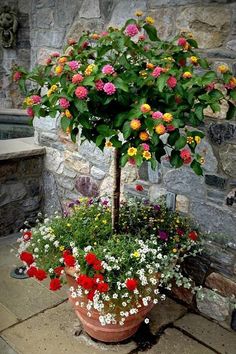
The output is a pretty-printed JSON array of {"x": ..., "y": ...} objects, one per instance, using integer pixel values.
[
  {"x": 135, "y": 124},
  {"x": 167, "y": 117},
  {"x": 62, "y": 60},
  {"x": 58, "y": 69},
  {"x": 68, "y": 114},
  {"x": 147, "y": 155},
  {"x": 95, "y": 36},
  {"x": 150, "y": 66},
  {"x": 108, "y": 144},
  {"x": 187, "y": 75},
  {"x": 145, "y": 108},
  {"x": 223, "y": 68},
  {"x": 160, "y": 129},
  {"x": 144, "y": 136}
]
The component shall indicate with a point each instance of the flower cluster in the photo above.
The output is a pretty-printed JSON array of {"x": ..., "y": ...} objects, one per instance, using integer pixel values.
[{"x": 115, "y": 274}]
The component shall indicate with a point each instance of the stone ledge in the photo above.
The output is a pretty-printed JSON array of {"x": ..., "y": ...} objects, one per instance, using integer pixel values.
[{"x": 18, "y": 148}]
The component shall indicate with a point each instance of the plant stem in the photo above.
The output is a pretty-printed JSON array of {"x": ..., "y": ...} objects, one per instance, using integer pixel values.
[{"x": 116, "y": 192}]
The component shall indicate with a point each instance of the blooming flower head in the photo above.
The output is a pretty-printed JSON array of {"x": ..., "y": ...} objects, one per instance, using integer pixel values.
[
  {"x": 108, "y": 69},
  {"x": 232, "y": 84},
  {"x": 27, "y": 257},
  {"x": 185, "y": 156},
  {"x": 197, "y": 139},
  {"x": 160, "y": 129},
  {"x": 132, "y": 161},
  {"x": 167, "y": 117},
  {"x": 132, "y": 151},
  {"x": 99, "y": 84},
  {"x": 27, "y": 235},
  {"x": 71, "y": 41},
  {"x": 81, "y": 92},
  {"x": 95, "y": 36},
  {"x": 145, "y": 147},
  {"x": 136, "y": 254},
  {"x": 36, "y": 99},
  {"x": 55, "y": 284},
  {"x": 40, "y": 274},
  {"x": 139, "y": 187},
  {"x": 62, "y": 60},
  {"x": 157, "y": 71},
  {"x": 144, "y": 136},
  {"x": 85, "y": 281},
  {"x": 187, "y": 75},
  {"x": 90, "y": 258},
  {"x": 149, "y": 20},
  {"x": 171, "y": 82},
  {"x": 142, "y": 37},
  {"x": 157, "y": 115},
  {"x": 69, "y": 260},
  {"x": 223, "y": 68},
  {"x": 103, "y": 287},
  {"x": 163, "y": 235},
  {"x": 58, "y": 69},
  {"x": 131, "y": 30},
  {"x": 193, "y": 235},
  {"x": 131, "y": 284},
  {"x": 64, "y": 103},
  {"x": 135, "y": 124},
  {"x": 88, "y": 71},
  {"x": 190, "y": 140},
  {"x": 147, "y": 155},
  {"x": 182, "y": 42},
  {"x": 28, "y": 101},
  {"x": 108, "y": 144},
  {"x": 77, "y": 78},
  {"x": 109, "y": 88},
  {"x": 48, "y": 61},
  {"x": 68, "y": 114},
  {"x": 139, "y": 13},
  {"x": 55, "y": 55},
  {"x": 30, "y": 112},
  {"x": 17, "y": 76},
  {"x": 31, "y": 272},
  {"x": 194, "y": 60},
  {"x": 145, "y": 108},
  {"x": 210, "y": 87}
]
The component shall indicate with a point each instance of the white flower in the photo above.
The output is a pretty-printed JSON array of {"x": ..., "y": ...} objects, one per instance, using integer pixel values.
[
  {"x": 124, "y": 304},
  {"x": 36, "y": 250},
  {"x": 146, "y": 320},
  {"x": 51, "y": 270}
]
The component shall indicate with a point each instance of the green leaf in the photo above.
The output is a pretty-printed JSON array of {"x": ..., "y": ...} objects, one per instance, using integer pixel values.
[
  {"x": 196, "y": 167},
  {"x": 104, "y": 130},
  {"x": 22, "y": 86},
  {"x": 215, "y": 107},
  {"x": 153, "y": 163},
  {"x": 231, "y": 114},
  {"x": 193, "y": 43},
  {"x": 216, "y": 94},
  {"x": 73, "y": 134},
  {"x": 151, "y": 32},
  {"x": 120, "y": 84},
  {"x": 149, "y": 122},
  {"x": 173, "y": 137},
  {"x": 181, "y": 142},
  {"x": 81, "y": 105},
  {"x": 203, "y": 63},
  {"x": 161, "y": 81},
  {"x": 65, "y": 123},
  {"x": 208, "y": 77},
  {"x": 124, "y": 160},
  {"x": 84, "y": 121},
  {"x": 116, "y": 142},
  {"x": 119, "y": 119},
  {"x": 175, "y": 159},
  {"x": 199, "y": 111},
  {"x": 233, "y": 94},
  {"x": 99, "y": 140},
  {"x": 89, "y": 81},
  {"x": 126, "y": 130},
  {"x": 63, "y": 81}
]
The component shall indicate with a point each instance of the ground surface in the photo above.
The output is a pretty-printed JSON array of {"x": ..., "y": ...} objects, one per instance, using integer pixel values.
[{"x": 34, "y": 320}]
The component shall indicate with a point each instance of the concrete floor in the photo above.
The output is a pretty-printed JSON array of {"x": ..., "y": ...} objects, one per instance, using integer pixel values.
[{"x": 34, "y": 320}]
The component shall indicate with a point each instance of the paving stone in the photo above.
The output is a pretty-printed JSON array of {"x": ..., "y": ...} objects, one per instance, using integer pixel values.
[
  {"x": 5, "y": 348},
  {"x": 52, "y": 332},
  {"x": 173, "y": 341},
  {"x": 7, "y": 318},
  {"x": 209, "y": 333},
  {"x": 163, "y": 313}
]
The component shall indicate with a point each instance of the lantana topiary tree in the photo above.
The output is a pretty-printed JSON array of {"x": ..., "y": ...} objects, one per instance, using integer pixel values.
[{"x": 128, "y": 89}]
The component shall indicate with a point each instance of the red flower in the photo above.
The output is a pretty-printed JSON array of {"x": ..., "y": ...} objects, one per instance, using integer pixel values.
[
  {"x": 85, "y": 281},
  {"x": 185, "y": 156},
  {"x": 171, "y": 82},
  {"x": 27, "y": 258},
  {"x": 66, "y": 253},
  {"x": 58, "y": 270},
  {"x": 182, "y": 61},
  {"x": 182, "y": 41},
  {"x": 180, "y": 232},
  {"x": 90, "y": 258},
  {"x": 97, "y": 265},
  {"x": 55, "y": 284},
  {"x": 90, "y": 295},
  {"x": 131, "y": 284},
  {"x": 193, "y": 235},
  {"x": 98, "y": 277},
  {"x": 69, "y": 260},
  {"x": 31, "y": 272},
  {"x": 103, "y": 287},
  {"x": 139, "y": 188},
  {"x": 40, "y": 274},
  {"x": 27, "y": 235}
]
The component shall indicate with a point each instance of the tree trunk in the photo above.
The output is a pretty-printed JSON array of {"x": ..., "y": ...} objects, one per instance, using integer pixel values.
[{"x": 116, "y": 192}]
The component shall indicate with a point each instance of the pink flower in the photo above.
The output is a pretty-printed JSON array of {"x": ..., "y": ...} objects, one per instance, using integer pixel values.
[
  {"x": 157, "y": 71},
  {"x": 77, "y": 78},
  {"x": 64, "y": 103},
  {"x": 55, "y": 55},
  {"x": 99, "y": 84},
  {"x": 81, "y": 92},
  {"x": 30, "y": 112},
  {"x": 17, "y": 75},
  {"x": 108, "y": 70},
  {"x": 157, "y": 115},
  {"x": 104, "y": 33},
  {"x": 131, "y": 30},
  {"x": 48, "y": 61},
  {"x": 182, "y": 41},
  {"x": 109, "y": 88},
  {"x": 145, "y": 147},
  {"x": 171, "y": 82},
  {"x": 36, "y": 99},
  {"x": 185, "y": 156},
  {"x": 170, "y": 128},
  {"x": 74, "y": 65},
  {"x": 142, "y": 37},
  {"x": 132, "y": 161}
]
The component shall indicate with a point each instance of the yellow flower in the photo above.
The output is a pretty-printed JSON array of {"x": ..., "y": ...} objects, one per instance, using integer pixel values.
[
  {"x": 202, "y": 160},
  {"x": 104, "y": 222},
  {"x": 136, "y": 254},
  {"x": 160, "y": 129},
  {"x": 68, "y": 114},
  {"x": 53, "y": 88},
  {"x": 147, "y": 155},
  {"x": 145, "y": 108},
  {"x": 62, "y": 60},
  {"x": 187, "y": 75},
  {"x": 190, "y": 139},
  {"x": 174, "y": 250},
  {"x": 49, "y": 93},
  {"x": 139, "y": 13},
  {"x": 144, "y": 136},
  {"x": 89, "y": 69},
  {"x": 68, "y": 225},
  {"x": 194, "y": 60},
  {"x": 108, "y": 144},
  {"x": 135, "y": 124},
  {"x": 28, "y": 101},
  {"x": 58, "y": 69},
  {"x": 149, "y": 20},
  {"x": 132, "y": 151},
  {"x": 223, "y": 68},
  {"x": 197, "y": 139},
  {"x": 167, "y": 117},
  {"x": 144, "y": 74},
  {"x": 61, "y": 248}
]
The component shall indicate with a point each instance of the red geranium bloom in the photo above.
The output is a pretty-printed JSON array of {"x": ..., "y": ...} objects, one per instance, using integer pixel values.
[
  {"x": 27, "y": 258},
  {"x": 31, "y": 272},
  {"x": 103, "y": 287},
  {"x": 58, "y": 270},
  {"x": 98, "y": 278},
  {"x": 40, "y": 274},
  {"x": 131, "y": 284},
  {"x": 90, "y": 258},
  {"x": 66, "y": 253},
  {"x": 69, "y": 260},
  {"x": 139, "y": 188},
  {"x": 97, "y": 265},
  {"x": 55, "y": 284},
  {"x": 27, "y": 235},
  {"x": 85, "y": 281},
  {"x": 91, "y": 294},
  {"x": 193, "y": 235}
]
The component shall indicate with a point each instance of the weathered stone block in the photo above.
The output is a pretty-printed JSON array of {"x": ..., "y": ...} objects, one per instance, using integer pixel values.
[
  {"x": 123, "y": 9},
  {"x": 222, "y": 133},
  {"x": 53, "y": 160},
  {"x": 30, "y": 167},
  {"x": 182, "y": 203},
  {"x": 66, "y": 182},
  {"x": 164, "y": 21},
  {"x": 205, "y": 150},
  {"x": 228, "y": 159},
  {"x": 86, "y": 186},
  {"x": 44, "y": 18},
  {"x": 89, "y": 152},
  {"x": 90, "y": 9},
  {"x": 51, "y": 202},
  {"x": 213, "y": 305},
  {"x": 31, "y": 203},
  {"x": 80, "y": 25},
  {"x": 222, "y": 284},
  {"x": 97, "y": 173},
  {"x": 183, "y": 294},
  {"x": 197, "y": 268},
  {"x": 75, "y": 162},
  {"x": 11, "y": 191},
  {"x": 217, "y": 115},
  {"x": 215, "y": 181},
  {"x": 156, "y": 192},
  {"x": 47, "y": 124},
  {"x": 50, "y": 38}
]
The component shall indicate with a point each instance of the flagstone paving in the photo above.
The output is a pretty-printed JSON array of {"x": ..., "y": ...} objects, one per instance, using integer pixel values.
[{"x": 34, "y": 320}]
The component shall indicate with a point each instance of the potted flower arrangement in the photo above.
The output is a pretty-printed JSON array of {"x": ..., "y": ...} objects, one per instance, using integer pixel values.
[{"x": 126, "y": 89}]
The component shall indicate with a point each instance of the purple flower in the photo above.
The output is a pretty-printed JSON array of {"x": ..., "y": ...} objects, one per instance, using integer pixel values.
[
  {"x": 163, "y": 235},
  {"x": 157, "y": 207},
  {"x": 70, "y": 205},
  {"x": 105, "y": 202}
]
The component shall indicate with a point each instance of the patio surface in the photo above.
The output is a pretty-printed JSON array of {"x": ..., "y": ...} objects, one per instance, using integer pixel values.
[{"x": 34, "y": 320}]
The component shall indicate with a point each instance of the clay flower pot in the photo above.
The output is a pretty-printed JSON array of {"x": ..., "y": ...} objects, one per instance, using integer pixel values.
[{"x": 108, "y": 333}]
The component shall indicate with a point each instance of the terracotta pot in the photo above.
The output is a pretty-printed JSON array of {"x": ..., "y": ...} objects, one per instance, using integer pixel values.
[{"x": 109, "y": 333}]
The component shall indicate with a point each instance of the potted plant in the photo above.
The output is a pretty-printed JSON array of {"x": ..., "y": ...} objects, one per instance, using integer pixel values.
[{"x": 126, "y": 89}]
